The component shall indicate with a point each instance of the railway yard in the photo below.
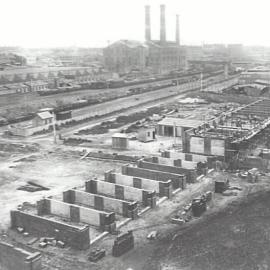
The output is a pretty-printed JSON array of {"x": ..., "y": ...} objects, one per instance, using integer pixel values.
[{"x": 110, "y": 200}]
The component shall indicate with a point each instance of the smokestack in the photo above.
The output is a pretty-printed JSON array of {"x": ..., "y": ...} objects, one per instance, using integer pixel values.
[
  {"x": 162, "y": 24},
  {"x": 177, "y": 34},
  {"x": 147, "y": 24}
]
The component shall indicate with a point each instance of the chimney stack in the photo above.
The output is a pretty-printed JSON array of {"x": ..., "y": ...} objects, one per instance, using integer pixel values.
[
  {"x": 162, "y": 24},
  {"x": 147, "y": 24},
  {"x": 177, "y": 34}
]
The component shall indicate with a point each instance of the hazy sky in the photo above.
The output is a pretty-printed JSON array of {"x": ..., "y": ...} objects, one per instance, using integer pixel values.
[{"x": 47, "y": 23}]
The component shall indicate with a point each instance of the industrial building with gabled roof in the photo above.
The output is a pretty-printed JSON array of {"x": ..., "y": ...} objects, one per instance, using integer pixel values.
[{"x": 158, "y": 56}]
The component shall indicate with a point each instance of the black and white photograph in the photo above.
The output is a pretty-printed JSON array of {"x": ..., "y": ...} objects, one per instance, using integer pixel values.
[{"x": 134, "y": 135}]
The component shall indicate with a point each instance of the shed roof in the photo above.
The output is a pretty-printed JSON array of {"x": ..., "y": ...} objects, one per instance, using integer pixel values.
[
  {"x": 119, "y": 135},
  {"x": 180, "y": 122},
  {"x": 45, "y": 115}
]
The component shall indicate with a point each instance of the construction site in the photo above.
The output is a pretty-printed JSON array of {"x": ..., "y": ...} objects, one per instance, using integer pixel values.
[
  {"x": 168, "y": 170},
  {"x": 103, "y": 197}
]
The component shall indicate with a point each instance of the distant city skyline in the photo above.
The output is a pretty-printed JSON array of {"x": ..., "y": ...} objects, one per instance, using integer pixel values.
[{"x": 96, "y": 23}]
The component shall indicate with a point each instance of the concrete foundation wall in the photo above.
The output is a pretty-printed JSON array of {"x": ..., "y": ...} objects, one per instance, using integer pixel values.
[
  {"x": 190, "y": 174},
  {"x": 217, "y": 147},
  {"x": 91, "y": 217},
  {"x": 188, "y": 164},
  {"x": 78, "y": 213},
  {"x": 84, "y": 198},
  {"x": 197, "y": 145},
  {"x": 161, "y": 188},
  {"x": 133, "y": 194},
  {"x": 59, "y": 208},
  {"x": 178, "y": 181},
  {"x": 120, "y": 179},
  {"x": 104, "y": 188},
  {"x": 74, "y": 236},
  {"x": 118, "y": 191},
  {"x": 207, "y": 146},
  {"x": 12, "y": 258},
  {"x": 174, "y": 162},
  {"x": 114, "y": 205},
  {"x": 184, "y": 156},
  {"x": 100, "y": 202}
]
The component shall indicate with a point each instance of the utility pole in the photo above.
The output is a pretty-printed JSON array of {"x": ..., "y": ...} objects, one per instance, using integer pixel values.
[
  {"x": 174, "y": 133},
  {"x": 201, "y": 81},
  {"x": 54, "y": 130}
]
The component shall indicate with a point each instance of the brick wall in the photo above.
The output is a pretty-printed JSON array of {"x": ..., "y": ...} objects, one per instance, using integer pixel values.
[
  {"x": 76, "y": 237},
  {"x": 12, "y": 258}
]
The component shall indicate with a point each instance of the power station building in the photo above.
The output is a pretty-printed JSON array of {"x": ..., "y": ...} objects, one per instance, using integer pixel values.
[
  {"x": 164, "y": 56},
  {"x": 157, "y": 56}
]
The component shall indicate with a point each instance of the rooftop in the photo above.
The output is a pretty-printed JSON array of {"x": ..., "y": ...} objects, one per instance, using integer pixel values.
[
  {"x": 45, "y": 115},
  {"x": 129, "y": 43},
  {"x": 38, "y": 70},
  {"x": 180, "y": 122},
  {"x": 120, "y": 135}
]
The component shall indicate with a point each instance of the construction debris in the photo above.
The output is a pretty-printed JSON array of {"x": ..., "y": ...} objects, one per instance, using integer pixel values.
[
  {"x": 221, "y": 186},
  {"x": 152, "y": 235},
  {"x": 32, "y": 241},
  {"x": 123, "y": 243},
  {"x": 42, "y": 244},
  {"x": 198, "y": 206},
  {"x": 96, "y": 255}
]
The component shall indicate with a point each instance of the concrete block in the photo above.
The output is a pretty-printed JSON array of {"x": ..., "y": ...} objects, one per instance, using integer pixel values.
[
  {"x": 69, "y": 196},
  {"x": 99, "y": 203},
  {"x": 109, "y": 176},
  {"x": 155, "y": 175},
  {"x": 119, "y": 192},
  {"x": 165, "y": 189},
  {"x": 207, "y": 145},
  {"x": 74, "y": 213},
  {"x": 137, "y": 182},
  {"x": 59, "y": 208},
  {"x": 144, "y": 183},
  {"x": 43, "y": 207},
  {"x": 91, "y": 186},
  {"x": 178, "y": 163}
]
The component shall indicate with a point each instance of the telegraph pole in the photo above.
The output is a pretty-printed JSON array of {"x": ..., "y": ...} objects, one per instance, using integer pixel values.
[
  {"x": 201, "y": 81},
  {"x": 54, "y": 130}
]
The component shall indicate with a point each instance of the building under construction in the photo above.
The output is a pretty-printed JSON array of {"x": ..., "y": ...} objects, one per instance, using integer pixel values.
[{"x": 231, "y": 135}]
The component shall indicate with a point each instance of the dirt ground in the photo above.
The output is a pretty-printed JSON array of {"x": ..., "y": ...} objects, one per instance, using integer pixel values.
[
  {"x": 55, "y": 168},
  {"x": 232, "y": 234}
]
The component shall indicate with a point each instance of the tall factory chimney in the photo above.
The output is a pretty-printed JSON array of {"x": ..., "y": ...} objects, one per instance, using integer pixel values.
[
  {"x": 177, "y": 31},
  {"x": 162, "y": 24},
  {"x": 147, "y": 24}
]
